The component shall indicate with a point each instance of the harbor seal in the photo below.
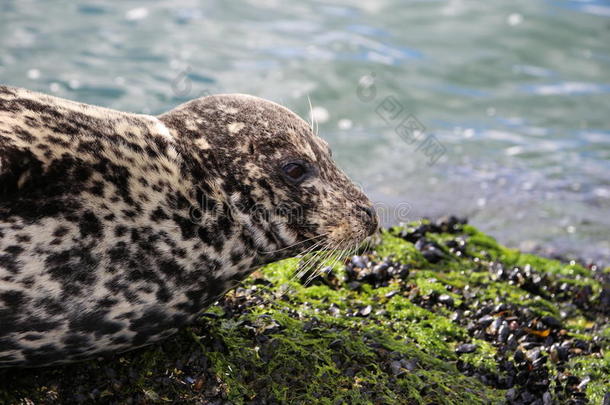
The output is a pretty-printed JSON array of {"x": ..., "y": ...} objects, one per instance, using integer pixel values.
[{"x": 116, "y": 229}]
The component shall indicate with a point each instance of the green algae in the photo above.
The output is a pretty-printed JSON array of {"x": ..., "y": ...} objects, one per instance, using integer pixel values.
[
  {"x": 598, "y": 369},
  {"x": 278, "y": 340}
]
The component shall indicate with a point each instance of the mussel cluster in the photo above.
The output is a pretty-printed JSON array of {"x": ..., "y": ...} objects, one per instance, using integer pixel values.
[{"x": 533, "y": 348}]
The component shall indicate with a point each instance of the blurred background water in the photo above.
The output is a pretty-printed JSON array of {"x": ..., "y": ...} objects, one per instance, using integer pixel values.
[{"x": 517, "y": 93}]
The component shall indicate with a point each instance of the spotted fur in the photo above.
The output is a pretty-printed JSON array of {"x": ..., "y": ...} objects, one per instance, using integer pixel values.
[{"x": 116, "y": 229}]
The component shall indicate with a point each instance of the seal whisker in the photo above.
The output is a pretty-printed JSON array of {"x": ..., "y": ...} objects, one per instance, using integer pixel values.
[
  {"x": 314, "y": 248},
  {"x": 313, "y": 270},
  {"x": 310, "y": 114},
  {"x": 339, "y": 255},
  {"x": 294, "y": 244},
  {"x": 319, "y": 260},
  {"x": 331, "y": 254},
  {"x": 304, "y": 267},
  {"x": 314, "y": 121}
]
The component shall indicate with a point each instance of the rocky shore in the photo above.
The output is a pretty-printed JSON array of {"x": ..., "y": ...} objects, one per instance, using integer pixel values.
[{"x": 435, "y": 313}]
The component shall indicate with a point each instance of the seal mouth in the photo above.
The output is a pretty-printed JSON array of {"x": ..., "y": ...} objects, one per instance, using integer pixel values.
[
  {"x": 347, "y": 233},
  {"x": 371, "y": 219}
]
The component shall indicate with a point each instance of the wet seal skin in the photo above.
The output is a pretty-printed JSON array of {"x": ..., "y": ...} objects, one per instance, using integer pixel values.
[{"x": 116, "y": 229}]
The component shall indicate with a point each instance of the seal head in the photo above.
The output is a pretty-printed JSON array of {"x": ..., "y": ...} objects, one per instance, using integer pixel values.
[{"x": 276, "y": 176}]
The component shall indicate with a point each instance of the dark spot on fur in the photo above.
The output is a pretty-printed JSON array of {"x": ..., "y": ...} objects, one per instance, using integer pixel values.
[
  {"x": 120, "y": 230},
  {"x": 14, "y": 250},
  {"x": 119, "y": 252},
  {"x": 60, "y": 231},
  {"x": 21, "y": 238},
  {"x": 97, "y": 188},
  {"x": 13, "y": 299},
  {"x": 43, "y": 354},
  {"x": 187, "y": 227},
  {"x": 129, "y": 213},
  {"x": 74, "y": 268},
  {"x": 158, "y": 215},
  {"x": 9, "y": 263},
  {"x": 90, "y": 225},
  {"x": 153, "y": 321},
  {"x": 76, "y": 340},
  {"x": 95, "y": 322}
]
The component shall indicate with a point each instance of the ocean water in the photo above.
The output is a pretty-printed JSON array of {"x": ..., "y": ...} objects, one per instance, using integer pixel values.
[{"x": 498, "y": 111}]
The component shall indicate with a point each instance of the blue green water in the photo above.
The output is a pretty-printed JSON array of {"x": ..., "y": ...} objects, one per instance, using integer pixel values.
[{"x": 516, "y": 94}]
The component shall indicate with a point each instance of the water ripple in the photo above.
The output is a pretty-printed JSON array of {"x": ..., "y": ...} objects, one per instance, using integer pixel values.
[{"x": 567, "y": 88}]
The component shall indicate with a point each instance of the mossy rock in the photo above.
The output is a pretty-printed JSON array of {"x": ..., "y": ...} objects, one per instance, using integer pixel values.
[{"x": 403, "y": 338}]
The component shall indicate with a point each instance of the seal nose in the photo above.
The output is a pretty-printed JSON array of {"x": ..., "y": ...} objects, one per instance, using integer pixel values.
[{"x": 372, "y": 218}]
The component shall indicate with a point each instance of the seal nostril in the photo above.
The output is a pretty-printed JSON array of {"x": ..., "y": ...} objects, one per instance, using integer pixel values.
[
  {"x": 372, "y": 217},
  {"x": 369, "y": 211}
]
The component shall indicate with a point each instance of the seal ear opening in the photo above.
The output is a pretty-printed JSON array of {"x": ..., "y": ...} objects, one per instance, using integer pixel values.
[{"x": 251, "y": 148}]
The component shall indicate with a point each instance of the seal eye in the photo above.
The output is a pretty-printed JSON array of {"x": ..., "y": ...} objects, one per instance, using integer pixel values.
[{"x": 295, "y": 172}]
